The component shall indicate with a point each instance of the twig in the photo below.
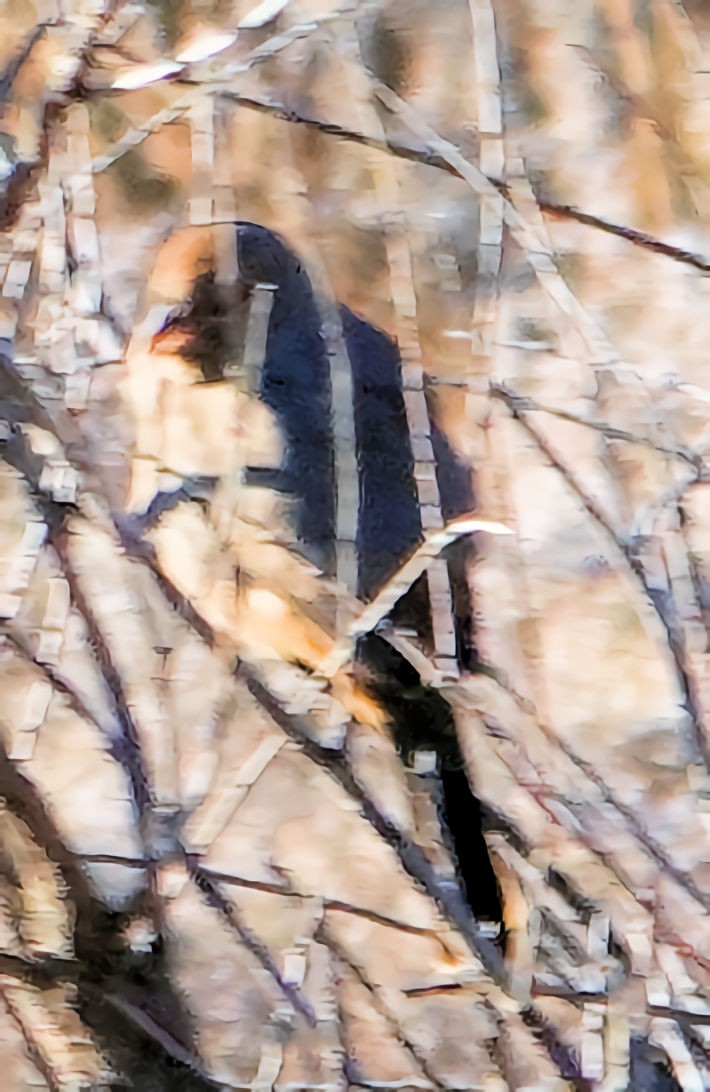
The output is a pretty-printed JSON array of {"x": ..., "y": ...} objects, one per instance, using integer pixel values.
[
  {"x": 160, "y": 1035},
  {"x": 131, "y": 755},
  {"x": 373, "y": 614},
  {"x": 429, "y": 156},
  {"x": 273, "y": 46},
  {"x": 253, "y": 944},
  {"x": 521, "y": 403},
  {"x": 378, "y": 1005},
  {"x": 328, "y": 904},
  {"x": 26, "y": 803},
  {"x": 74, "y": 700},
  {"x": 676, "y": 641},
  {"x": 8, "y": 77}
]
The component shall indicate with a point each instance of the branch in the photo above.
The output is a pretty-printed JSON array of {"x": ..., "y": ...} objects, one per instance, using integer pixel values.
[
  {"x": 374, "y": 613},
  {"x": 252, "y": 943},
  {"x": 519, "y": 403},
  {"x": 131, "y": 757},
  {"x": 428, "y": 156},
  {"x": 25, "y": 802},
  {"x": 154, "y": 1031},
  {"x": 658, "y": 600}
]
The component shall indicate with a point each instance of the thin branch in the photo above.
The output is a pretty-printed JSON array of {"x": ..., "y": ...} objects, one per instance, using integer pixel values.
[
  {"x": 521, "y": 403},
  {"x": 131, "y": 757},
  {"x": 699, "y": 586},
  {"x": 268, "y": 49},
  {"x": 429, "y": 157},
  {"x": 370, "y": 616},
  {"x": 73, "y": 699},
  {"x": 657, "y": 600},
  {"x": 323, "y": 933},
  {"x": 251, "y": 942},
  {"x": 328, "y": 904},
  {"x": 159, "y": 1035},
  {"x": 115, "y": 858},
  {"x": 25, "y": 801},
  {"x": 8, "y": 77}
]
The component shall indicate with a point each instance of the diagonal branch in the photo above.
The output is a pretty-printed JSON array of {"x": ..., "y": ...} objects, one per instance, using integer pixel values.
[
  {"x": 58, "y": 683},
  {"x": 130, "y": 750},
  {"x": 398, "y": 1033},
  {"x": 328, "y": 904},
  {"x": 252, "y": 943},
  {"x": 661, "y": 602},
  {"x": 370, "y": 616},
  {"x": 519, "y": 403},
  {"x": 153, "y": 1031},
  {"x": 431, "y": 157}
]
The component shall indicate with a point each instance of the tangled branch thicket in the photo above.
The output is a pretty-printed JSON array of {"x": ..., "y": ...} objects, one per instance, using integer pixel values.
[{"x": 354, "y": 540}]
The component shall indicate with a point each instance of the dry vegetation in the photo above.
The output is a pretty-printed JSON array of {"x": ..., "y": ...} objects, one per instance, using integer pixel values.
[{"x": 217, "y": 866}]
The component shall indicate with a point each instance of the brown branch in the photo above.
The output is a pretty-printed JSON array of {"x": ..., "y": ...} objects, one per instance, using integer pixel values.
[
  {"x": 251, "y": 942},
  {"x": 328, "y": 904},
  {"x": 115, "y": 858},
  {"x": 417, "y": 153}
]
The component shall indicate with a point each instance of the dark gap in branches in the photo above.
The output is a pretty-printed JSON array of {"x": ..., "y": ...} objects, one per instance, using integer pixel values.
[
  {"x": 422, "y": 719},
  {"x": 648, "y": 1069},
  {"x": 104, "y": 962}
]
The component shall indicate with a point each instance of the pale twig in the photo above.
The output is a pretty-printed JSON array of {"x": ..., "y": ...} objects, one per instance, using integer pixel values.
[
  {"x": 345, "y": 470},
  {"x": 389, "y": 595},
  {"x": 218, "y": 84},
  {"x": 391, "y": 209}
]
